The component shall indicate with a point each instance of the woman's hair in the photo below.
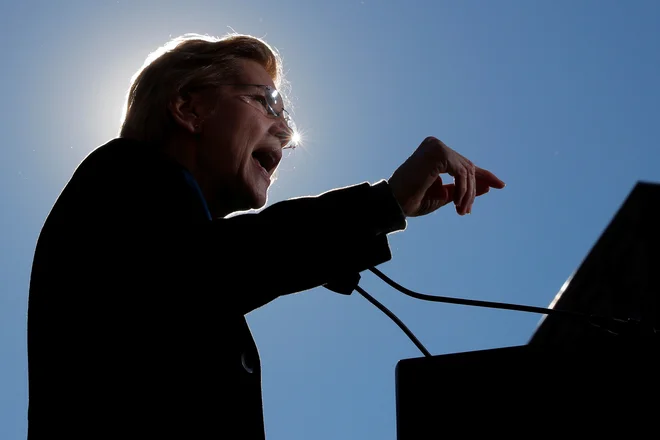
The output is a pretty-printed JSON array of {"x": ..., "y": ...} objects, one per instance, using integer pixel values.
[{"x": 185, "y": 63}]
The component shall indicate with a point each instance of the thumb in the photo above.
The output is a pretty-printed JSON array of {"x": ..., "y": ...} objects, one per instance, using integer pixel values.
[
  {"x": 411, "y": 181},
  {"x": 442, "y": 193}
]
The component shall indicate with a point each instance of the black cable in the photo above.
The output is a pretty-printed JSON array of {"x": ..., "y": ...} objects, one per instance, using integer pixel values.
[
  {"x": 473, "y": 302},
  {"x": 615, "y": 326},
  {"x": 629, "y": 326},
  {"x": 396, "y": 320}
]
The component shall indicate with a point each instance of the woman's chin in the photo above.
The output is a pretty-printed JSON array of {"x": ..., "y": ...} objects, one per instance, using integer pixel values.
[
  {"x": 253, "y": 195},
  {"x": 260, "y": 201},
  {"x": 258, "y": 198}
]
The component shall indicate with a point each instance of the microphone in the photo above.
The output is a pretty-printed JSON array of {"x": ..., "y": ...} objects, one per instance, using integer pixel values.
[
  {"x": 627, "y": 328},
  {"x": 345, "y": 284}
]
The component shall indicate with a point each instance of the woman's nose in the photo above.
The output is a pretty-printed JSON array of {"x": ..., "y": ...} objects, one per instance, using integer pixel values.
[{"x": 281, "y": 129}]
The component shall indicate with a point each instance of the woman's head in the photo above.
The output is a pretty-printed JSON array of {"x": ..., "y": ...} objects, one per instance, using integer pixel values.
[
  {"x": 188, "y": 63},
  {"x": 213, "y": 104}
]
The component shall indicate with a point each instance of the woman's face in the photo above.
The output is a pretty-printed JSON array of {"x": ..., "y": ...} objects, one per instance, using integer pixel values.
[{"x": 240, "y": 143}]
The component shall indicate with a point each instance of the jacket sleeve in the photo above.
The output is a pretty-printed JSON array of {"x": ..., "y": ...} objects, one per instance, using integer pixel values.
[
  {"x": 314, "y": 240},
  {"x": 129, "y": 240}
]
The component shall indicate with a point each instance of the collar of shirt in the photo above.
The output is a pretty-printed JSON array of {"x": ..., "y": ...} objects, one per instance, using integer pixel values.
[{"x": 190, "y": 179}]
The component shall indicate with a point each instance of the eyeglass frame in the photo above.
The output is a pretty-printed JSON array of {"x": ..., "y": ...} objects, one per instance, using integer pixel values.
[{"x": 269, "y": 103}]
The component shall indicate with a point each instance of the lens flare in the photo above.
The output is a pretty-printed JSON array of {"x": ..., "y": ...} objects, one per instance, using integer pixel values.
[{"x": 296, "y": 139}]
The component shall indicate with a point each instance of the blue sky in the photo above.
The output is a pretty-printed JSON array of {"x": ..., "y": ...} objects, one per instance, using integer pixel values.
[{"x": 558, "y": 98}]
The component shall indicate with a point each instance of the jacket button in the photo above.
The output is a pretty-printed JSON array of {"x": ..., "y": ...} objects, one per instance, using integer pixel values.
[{"x": 246, "y": 364}]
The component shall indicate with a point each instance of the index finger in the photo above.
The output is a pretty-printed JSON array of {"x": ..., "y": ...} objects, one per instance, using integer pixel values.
[{"x": 489, "y": 178}]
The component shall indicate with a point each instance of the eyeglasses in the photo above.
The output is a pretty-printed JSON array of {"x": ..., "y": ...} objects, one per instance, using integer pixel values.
[{"x": 272, "y": 100}]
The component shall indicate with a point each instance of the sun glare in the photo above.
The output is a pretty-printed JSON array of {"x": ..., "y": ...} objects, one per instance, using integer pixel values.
[{"x": 296, "y": 139}]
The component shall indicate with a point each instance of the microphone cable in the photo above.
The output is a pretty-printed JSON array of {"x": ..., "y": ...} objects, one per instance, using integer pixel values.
[
  {"x": 601, "y": 322},
  {"x": 473, "y": 302},
  {"x": 394, "y": 318}
]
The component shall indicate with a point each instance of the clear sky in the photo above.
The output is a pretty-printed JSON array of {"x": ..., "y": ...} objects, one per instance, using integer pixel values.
[{"x": 558, "y": 98}]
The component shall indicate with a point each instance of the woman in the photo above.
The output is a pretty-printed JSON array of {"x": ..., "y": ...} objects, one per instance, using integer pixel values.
[{"x": 140, "y": 283}]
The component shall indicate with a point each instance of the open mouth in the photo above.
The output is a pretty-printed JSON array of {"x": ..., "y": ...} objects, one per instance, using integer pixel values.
[{"x": 268, "y": 159}]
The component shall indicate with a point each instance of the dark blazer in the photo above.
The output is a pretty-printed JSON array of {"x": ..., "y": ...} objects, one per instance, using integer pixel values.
[{"x": 136, "y": 316}]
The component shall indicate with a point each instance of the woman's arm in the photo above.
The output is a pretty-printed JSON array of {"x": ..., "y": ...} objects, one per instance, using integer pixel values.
[{"x": 126, "y": 228}]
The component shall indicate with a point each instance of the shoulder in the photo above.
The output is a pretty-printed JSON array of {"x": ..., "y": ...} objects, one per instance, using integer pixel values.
[
  {"x": 124, "y": 174},
  {"x": 126, "y": 157},
  {"x": 126, "y": 168}
]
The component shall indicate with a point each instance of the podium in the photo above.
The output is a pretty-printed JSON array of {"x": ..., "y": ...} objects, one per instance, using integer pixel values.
[
  {"x": 525, "y": 391},
  {"x": 572, "y": 377}
]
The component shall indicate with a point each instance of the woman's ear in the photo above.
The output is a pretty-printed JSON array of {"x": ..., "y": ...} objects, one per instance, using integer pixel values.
[{"x": 186, "y": 112}]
